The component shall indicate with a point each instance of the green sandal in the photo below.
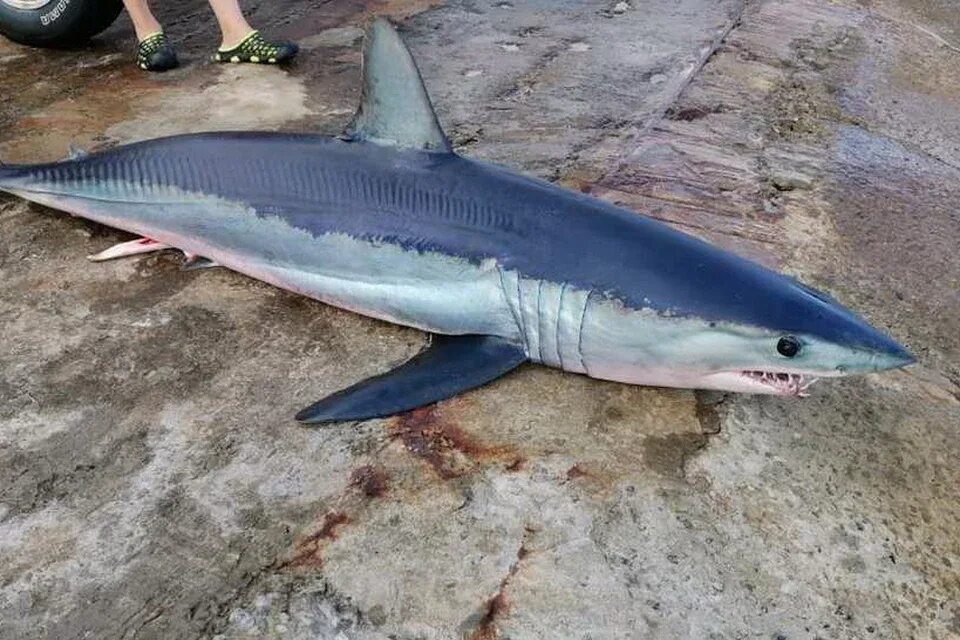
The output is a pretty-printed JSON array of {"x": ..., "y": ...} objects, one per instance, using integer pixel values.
[
  {"x": 255, "y": 49},
  {"x": 154, "y": 53}
]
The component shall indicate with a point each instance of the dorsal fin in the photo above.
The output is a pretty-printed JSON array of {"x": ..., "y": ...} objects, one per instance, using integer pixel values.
[{"x": 394, "y": 106}]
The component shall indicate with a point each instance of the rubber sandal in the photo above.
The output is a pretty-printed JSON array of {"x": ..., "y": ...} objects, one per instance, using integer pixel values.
[
  {"x": 154, "y": 53},
  {"x": 255, "y": 49}
]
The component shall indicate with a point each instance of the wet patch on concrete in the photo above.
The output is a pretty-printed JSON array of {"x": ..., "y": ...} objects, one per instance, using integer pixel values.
[
  {"x": 709, "y": 407},
  {"x": 237, "y": 98},
  {"x": 804, "y": 107},
  {"x": 141, "y": 357},
  {"x": 33, "y": 479},
  {"x": 668, "y": 454}
]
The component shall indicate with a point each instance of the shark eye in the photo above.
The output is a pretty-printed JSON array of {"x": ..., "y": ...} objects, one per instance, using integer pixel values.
[{"x": 788, "y": 346}]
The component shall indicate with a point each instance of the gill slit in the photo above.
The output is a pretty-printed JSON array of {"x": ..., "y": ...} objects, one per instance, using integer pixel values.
[
  {"x": 518, "y": 314},
  {"x": 556, "y": 340},
  {"x": 539, "y": 322},
  {"x": 583, "y": 317}
]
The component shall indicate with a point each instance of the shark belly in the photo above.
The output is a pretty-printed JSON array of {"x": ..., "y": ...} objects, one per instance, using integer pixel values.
[
  {"x": 432, "y": 291},
  {"x": 429, "y": 290}
]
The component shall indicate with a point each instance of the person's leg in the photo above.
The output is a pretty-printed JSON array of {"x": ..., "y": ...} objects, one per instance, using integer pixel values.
[
  {"x": 143, "y": 21},
  {"x": 241, "y": 42},
  {"x": 233, "y": 26},
  {"x": 154, "y": 53}
]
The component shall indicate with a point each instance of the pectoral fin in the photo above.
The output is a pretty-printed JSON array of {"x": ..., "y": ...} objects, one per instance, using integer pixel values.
[{"x": 450, "y": 365}]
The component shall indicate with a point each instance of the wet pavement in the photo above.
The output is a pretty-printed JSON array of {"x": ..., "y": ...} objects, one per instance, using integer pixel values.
[{"x": 154, "y": 485}]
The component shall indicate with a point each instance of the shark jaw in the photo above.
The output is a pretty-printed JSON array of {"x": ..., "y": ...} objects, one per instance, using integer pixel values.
[
  {"x": 780, "y": 383},
  {"x": 753, "y": 381},
  {"x": 763, "y": 379}
]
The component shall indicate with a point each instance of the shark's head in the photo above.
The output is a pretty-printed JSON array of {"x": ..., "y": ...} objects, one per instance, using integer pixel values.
[
  {"x": 764, "y": 334},
  {"x": 826, "y": 341}
]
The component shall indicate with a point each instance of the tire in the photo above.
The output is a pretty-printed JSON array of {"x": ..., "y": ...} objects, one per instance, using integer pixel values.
[{"x": 56, "y": 23}]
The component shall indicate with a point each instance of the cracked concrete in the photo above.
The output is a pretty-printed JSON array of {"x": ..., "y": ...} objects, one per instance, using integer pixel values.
[{"x": 153, "y": 484}]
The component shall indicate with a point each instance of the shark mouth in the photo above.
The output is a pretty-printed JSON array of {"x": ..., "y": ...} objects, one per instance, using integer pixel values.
[{"x": 780, "y": 383}]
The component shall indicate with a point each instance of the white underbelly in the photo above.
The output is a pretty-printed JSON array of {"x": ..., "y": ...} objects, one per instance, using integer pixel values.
[{"x": 427, "y": 290}]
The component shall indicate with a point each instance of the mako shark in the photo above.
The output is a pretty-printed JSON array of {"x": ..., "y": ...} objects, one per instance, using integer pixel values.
[{"x": 389, "y": 222}]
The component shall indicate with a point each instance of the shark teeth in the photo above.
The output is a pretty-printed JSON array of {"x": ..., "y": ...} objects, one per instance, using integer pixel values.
[{"x": 793, "y": 384}]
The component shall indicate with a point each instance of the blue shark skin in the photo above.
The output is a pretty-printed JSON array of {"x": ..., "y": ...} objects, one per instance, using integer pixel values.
[{"x": 391, "y": 224}]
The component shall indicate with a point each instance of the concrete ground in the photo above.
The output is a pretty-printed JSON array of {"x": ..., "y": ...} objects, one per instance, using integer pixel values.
[{"x": 154, "y": 485}]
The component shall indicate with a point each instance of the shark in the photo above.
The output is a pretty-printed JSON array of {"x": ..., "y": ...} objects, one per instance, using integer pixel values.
[{"x": 500, "y": 268}]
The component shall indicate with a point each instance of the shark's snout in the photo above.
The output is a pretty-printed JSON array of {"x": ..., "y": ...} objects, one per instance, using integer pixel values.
[
  {"x": 893, "y": 356},
  {"x": 867, "y": 349}
]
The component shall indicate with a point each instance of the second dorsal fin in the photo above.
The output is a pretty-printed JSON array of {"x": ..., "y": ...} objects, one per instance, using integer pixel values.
[{"x": 394, "y": 108}]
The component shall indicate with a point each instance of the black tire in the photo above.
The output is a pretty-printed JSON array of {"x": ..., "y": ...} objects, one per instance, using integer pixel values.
[{"x": 56, "y": 23}]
